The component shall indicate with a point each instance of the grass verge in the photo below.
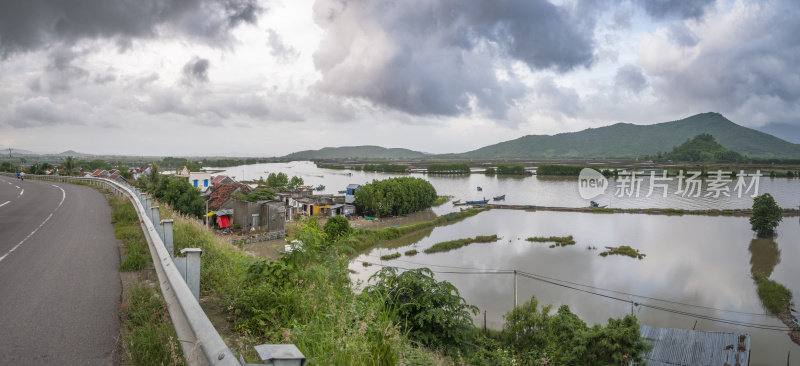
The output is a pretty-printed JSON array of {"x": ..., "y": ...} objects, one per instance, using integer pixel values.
[
  {"x": 146, "y": 331},
  {"x": 127, "y": 229},
  {"x": 148, "y": 337},
  {"x": 447, "y": 246}
]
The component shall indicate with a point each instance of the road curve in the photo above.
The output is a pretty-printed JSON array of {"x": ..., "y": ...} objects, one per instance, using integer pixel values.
[{"x": 59, "y": 282}]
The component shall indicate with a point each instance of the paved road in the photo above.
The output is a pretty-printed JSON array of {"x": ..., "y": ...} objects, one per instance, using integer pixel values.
[{"x": 59, "y": 283}]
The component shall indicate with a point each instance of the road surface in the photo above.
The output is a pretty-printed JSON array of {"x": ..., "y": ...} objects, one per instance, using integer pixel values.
[{"x": 59, "y": 282}]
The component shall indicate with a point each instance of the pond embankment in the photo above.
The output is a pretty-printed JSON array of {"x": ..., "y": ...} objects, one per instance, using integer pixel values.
[{"x": 649, "y": 211}]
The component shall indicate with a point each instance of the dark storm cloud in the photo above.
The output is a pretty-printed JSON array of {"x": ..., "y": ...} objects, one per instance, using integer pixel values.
[
  {"x": 630, "y": 77},
  {"x": 195, "y": 71},
  {"x": 439, "y": 58},
  {"x": 683, "y": 9},
  {"x": 30, "y": 24},
  {"x": 60, "y": 71},
  {"x": 754, "y": 78}
]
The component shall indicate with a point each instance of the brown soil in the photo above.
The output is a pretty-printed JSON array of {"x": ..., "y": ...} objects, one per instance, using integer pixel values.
[{"x": 786, "y": 317}]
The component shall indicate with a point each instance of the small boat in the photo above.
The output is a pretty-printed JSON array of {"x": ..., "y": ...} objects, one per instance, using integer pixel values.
[
  {"x": 500, "y": 198},
  {"x": 485, "y": 201},
  {"x": 320, "y": 188},
  {"x": 369, "y": 218},
  {"x": 595, "y": 204},
  {"x": 456, "y": 202},
  {"x": 479, "y": 188},
  {"x": 342, "y": 192}
]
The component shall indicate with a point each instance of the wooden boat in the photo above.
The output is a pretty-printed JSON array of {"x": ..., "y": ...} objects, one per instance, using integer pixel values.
[
  {"x": 320, "y": 188},
  {"x": 500, "y": 198},
  {"x": 485, "y": 201}
]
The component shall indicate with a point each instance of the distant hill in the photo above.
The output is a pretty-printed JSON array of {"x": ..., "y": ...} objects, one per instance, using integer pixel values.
[
  {"x": 702, "y": 147},
  {"x": 786, "y": 131},
  {"x": 626, "y": 140},
  {"x": 356, "y": 152}
]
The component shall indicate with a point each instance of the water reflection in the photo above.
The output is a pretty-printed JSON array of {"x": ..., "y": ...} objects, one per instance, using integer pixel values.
[
  {"x": 764, "y": 256},
  {"x": 700, "y": 265}
]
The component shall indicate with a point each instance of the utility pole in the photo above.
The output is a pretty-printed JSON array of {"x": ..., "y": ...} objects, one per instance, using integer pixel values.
[{"x": 515, "y": 289}]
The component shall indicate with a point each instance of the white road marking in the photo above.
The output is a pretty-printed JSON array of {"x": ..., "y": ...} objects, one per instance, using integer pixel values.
[
  {"x": 21, "y": 192},
  {"x": 63, "y": 196},
  {"x": 17, "y": 187},
  {"x": 5, "y": 203}
]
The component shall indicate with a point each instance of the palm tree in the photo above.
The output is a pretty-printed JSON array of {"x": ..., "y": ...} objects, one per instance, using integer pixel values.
[{"x": 69, "y": 164}]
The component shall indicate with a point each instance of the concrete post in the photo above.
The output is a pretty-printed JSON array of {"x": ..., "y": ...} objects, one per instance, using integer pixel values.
[
  {"x": 146, "y": 203},
  {"x": 166, "y": 236},
  {"x": 189, "y": 267},
  {"x": 154, "y": 215},
  {"x": 280, "y": 355}
]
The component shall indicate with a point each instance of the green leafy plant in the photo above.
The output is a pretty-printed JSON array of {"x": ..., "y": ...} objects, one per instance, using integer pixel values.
[
  {"x": 766, "y": 215},
  {"x": 432, "y": 312}
]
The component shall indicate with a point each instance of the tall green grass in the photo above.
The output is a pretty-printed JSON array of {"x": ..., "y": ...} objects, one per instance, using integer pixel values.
[
  {"x": 775, "y": 296},
  {"x": 127, "y": 229},
  {"x": 148, "y": 337}
]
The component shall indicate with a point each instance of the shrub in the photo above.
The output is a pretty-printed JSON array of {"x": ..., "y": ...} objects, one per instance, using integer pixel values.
[
  {"x": 564, "y": 339},
  {"x": 432, "y": 312},
  {"x": 337, "y": 227}
]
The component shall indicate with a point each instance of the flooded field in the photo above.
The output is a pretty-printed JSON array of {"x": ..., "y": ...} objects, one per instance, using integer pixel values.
[
  {"x": 696, "y": 272},
  {"x": 700, "y": 265},
  {"x": 530, "y": 190}
]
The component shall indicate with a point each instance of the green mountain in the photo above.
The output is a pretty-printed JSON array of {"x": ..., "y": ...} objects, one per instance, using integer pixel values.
[
  {"x": 356, "y": 152},
  {"x": 626, "y": 140},
  {"x": 702, "y": 147}
]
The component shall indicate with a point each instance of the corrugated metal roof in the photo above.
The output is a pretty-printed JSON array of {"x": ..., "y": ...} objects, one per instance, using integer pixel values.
[{"x": 673, "y": 347}]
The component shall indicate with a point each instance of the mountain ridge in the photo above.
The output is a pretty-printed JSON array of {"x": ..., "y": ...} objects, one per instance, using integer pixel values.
[{"x": 627, "y": 140}]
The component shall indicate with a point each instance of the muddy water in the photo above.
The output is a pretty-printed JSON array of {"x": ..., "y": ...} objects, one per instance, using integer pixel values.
[
  {"x": 700, "y": 265},
  {"x": 531, "y": 190}
]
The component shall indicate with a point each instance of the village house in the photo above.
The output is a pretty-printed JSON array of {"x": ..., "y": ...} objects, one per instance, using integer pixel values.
[
  {"x": 269, "y": 216},
  {"x": 350, "y": 193},
  {"x": 220, "y": 202},
  {"x": 199, "y": 180},
  {"x": 322, "y": 205},
  {"x": 138, "y": 172},
  {"x": 221, "y": 179}
]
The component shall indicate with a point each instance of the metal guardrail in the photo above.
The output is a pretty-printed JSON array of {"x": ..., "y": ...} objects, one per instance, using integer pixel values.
[{"x": 194, "y": 329}]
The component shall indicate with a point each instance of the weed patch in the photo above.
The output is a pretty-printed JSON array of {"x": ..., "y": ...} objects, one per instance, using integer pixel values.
[{"x": 447, "y": 246}]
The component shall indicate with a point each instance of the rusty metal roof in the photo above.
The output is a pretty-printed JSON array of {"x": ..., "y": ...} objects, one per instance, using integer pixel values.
[{"x": 673, "y": 347}]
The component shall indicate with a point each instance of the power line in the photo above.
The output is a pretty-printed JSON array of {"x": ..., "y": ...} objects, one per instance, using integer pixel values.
[
  {"x": 599, "y": 289},
  {"x": 655, "y": 307}
]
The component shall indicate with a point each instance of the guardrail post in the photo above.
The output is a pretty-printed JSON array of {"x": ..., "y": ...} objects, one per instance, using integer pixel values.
[
  {"x": 280, "y": 355},
  {"x": 166, "y": 236},
  {"x": 155, "y": 217},
  {"x": 146, "y": 203},
  {"x": 189, "y": 268}
]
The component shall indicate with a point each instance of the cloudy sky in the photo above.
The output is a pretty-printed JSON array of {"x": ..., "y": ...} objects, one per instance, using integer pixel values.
[{"x": 268, "y": 77}]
